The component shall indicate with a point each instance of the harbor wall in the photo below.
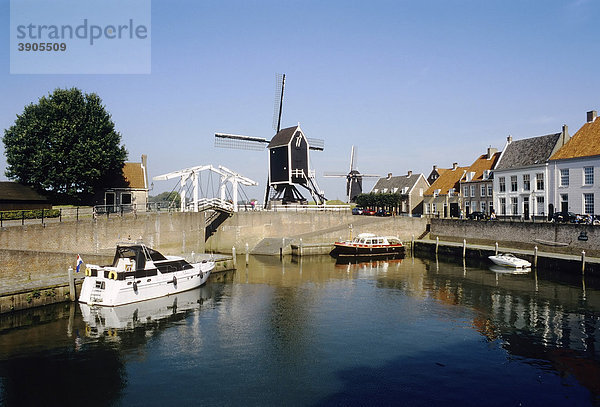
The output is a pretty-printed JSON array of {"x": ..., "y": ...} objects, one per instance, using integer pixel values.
[
  {"x": 173, "y": 232},
  {"x": 521, "y": 235},
  {"x": 267, "y": 232}
]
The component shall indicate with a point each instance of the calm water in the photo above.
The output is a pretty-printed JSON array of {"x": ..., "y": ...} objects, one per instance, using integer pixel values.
[{"x": 414, "y": 332}]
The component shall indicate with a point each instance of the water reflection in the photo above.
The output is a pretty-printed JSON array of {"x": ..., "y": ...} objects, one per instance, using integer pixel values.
[{"x": 314, "y": 331}]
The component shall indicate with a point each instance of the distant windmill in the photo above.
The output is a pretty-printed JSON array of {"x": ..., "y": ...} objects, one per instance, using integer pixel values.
[
  {"x": 353, "y": 179},
  {"x": 288, "y": 160}
]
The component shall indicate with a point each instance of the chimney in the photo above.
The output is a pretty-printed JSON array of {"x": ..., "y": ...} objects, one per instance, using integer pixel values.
[
  {"x": 565, "y": 134},
  {"x": 389, "y": 175},
  {"x": 454, "y": 166},
  {"x": 509, "y": 139},
  {"x": 409, "y": 174},
  {"x": 490, "y": 152},
  {"x": 591, "y": 116},
  {"x": 435, "y": 168}
]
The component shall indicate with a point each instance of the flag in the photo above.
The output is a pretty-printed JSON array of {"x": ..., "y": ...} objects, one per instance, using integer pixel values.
[{"x": 79, "y": 262}]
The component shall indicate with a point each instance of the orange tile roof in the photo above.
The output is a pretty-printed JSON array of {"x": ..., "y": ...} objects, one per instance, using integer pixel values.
[
  {"x": 584, "y": 143},
  {"x": 481, "y": 164},
  {"x": 134, "y": 175},
  {"x": 448, "y": 179}
]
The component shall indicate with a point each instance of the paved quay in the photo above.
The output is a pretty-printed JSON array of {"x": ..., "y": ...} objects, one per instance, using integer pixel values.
[{"x": 545, "y": 258}]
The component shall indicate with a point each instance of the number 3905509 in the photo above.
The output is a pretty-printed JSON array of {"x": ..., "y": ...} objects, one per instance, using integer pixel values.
[{"x": 42, "y": 46}]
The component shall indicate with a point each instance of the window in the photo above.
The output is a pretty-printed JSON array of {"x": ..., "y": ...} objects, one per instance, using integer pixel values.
[
  {"x": 491, "y": 206},
  {"x": 483, "y": 190},
  {"x": 490, "y": 190},
  {"x": 375, "y": 190},
  {"x": 474, "y": 205},
  {"x": 539, "y": 180},
  {"x": 436, "y": 193},
  {"x": 472, "y": 190},
  {"x": 503, "y": 206},
  {"x": 466, "y": 191},
  {"x": 588, "y": 175},
  {"x": 564, "y": 177},
  {"x": 513, "y": 183},
  {"x": 588, "y": 204},
  {"x": 502, "y": 183},
  {"x": 125, "y": 199},
  {"x": 540, "y": 205},
  {"x": 515, "y": 205},
  {"x": 420, "y": 191},
  {"x": 395, "y": 190},
  {"x": 482, "y": 205},
  {"x": 526, "y": 182},
  {"x": 385, "y": 190},
  {"x": 451, "y": 192},
  {"x": 433, "y": 208},
  {"x": 467, "y": 207}
]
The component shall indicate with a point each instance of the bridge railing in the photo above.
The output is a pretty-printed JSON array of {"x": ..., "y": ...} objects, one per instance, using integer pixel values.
[{"x": 309, "y": 208}]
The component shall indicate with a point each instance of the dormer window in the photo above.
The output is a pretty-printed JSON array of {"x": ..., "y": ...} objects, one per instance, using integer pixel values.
[
  {"x": 451, "y": 192},
  {"x": 395, "y": 190},
  {"x": 405, "y": 190},
  {"x": 375, "y": 190},
  {"x": 436, "y": 192},
  {"x": 486, "y": 174},
  {"x": 385, "y": 190}
]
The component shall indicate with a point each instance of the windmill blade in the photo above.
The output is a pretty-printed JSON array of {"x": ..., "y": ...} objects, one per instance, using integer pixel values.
[
  {"x": 369, "y": 176},
  {"x": 316, "y": 144},
  {"x": 278, "y": 105},
  {"x": 352, "y": 159},
  {"x": 224, "y": 140},
  {"x": 334, "y": 174}
]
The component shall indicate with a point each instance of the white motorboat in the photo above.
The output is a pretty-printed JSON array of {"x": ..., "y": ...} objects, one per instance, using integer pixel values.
[
  {"x": 140, "y": 273},
  {"x": 509, "y": 260}
]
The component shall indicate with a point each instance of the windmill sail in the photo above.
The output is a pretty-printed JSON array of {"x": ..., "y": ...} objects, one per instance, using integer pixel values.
[
  {"x": 224, "y": 140},
  {"x": 278, "y": 105}
]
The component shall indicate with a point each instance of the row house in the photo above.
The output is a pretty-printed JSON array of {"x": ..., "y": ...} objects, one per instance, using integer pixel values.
[
  {"x": 521, "y": 176},
  {"x": 442, "y": 198},
  {"x": 477, "y": 185},
  {"x": 574, "y": 173},
  {"x": 410, "y": 187}
]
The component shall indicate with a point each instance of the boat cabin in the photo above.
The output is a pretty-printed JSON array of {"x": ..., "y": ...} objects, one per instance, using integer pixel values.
[{"x": 371, "y": 239}]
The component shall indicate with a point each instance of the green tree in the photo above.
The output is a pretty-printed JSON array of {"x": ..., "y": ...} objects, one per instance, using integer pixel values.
[{"x": 65, "y": 147}]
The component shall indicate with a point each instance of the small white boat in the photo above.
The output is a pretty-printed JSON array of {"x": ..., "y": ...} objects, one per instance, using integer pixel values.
[
  {"x": 509, "y": 260},
  {"x": 509, "y": 270},
  {"x": 139, "y": 273}
]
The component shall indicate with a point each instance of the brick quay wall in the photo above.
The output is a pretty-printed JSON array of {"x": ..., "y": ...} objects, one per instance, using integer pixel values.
[{"x": 556, "y": 237}]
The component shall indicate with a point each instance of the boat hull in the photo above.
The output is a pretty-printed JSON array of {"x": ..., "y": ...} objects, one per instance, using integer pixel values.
[
  {"x": 347, "y": 249},
  {"x": 99, "y": 290},
  {"x": 512, "y": 263}
]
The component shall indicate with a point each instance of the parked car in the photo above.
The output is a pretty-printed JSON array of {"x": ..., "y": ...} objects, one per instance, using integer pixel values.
[
  {"x": 569, "y": 217},
  {"x": 368, "y": 212},
  {"x": 477, "y": 216},
  {"x": 383, "y": 212},
  {"x": 357, "y": 211}
]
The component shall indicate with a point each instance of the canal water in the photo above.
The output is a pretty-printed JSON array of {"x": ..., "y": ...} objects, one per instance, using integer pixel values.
[{"x": 414, "y": 332}]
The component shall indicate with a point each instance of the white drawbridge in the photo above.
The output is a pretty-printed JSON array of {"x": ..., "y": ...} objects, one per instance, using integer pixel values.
[{"x": 196, "y": 203}]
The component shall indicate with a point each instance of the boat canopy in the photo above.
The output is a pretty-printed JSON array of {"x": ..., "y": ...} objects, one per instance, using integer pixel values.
[{"x": 139, "y": 253}]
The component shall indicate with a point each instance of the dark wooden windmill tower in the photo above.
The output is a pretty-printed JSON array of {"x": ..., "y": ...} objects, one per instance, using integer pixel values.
[
  {"x": 353, "y": 179},
  {"x": 288, "y": 160}
]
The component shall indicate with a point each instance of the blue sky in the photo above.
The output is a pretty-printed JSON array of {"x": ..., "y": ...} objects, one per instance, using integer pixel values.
[{"x": 409, "y": 83}]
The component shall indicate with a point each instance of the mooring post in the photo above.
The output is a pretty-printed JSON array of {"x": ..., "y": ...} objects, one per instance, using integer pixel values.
[
  {"x": 437, "y": 243},
  {"x": 583, "y": 262},
  {"x": 300, "y": 248},
  {"x": 72, "y": 295},
  {"x": 496, "y": 249},
  {"x": 535, "y": 250},
  {"x": 247, "y": 254},
  {"x": 412, "y": 243},
  {"x": 233, "y": 256},
  {"x": 193, "y": 257},
  {"x": 464, "y": 247}
]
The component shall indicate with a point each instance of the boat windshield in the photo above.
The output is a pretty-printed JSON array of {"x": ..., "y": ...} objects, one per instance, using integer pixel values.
[{"x": 136, "y": 256}]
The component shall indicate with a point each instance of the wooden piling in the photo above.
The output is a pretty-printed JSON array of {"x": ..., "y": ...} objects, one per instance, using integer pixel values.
[
  {"x": 496, "y": 248},
  {"x": 437, "y": 243},
  {"x": 247, "y": 254},
  {"x": 583, "y": 262},
  {"x": 72, "y": 293},
  {"x": 464, "y": 247},
  {"x": 535, "y": 254},
  {"x": 233, "y": 256}
]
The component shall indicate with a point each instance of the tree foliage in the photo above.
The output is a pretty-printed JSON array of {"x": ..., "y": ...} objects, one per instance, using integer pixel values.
[
  {"x": 65, "y": 147},
  {"x": 379, "y": 200}
]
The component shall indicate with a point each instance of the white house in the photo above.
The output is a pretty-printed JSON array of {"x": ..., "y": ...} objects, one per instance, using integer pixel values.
[
  {"x": 575, "y": 171},
  {"x": 521, "y": 175}
]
